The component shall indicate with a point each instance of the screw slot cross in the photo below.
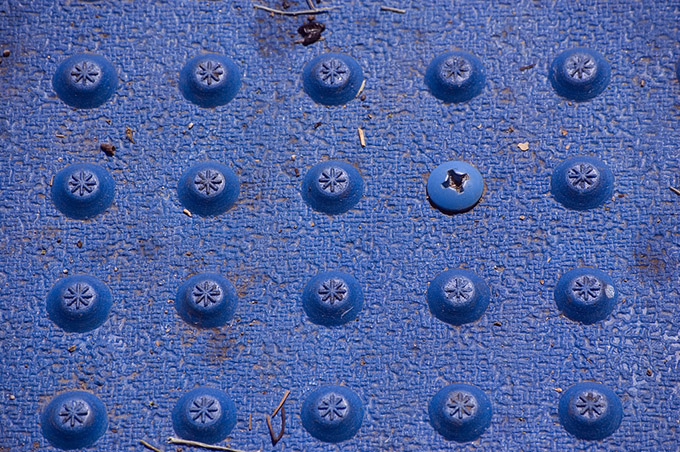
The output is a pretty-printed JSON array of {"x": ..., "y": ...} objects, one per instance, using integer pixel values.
[
  {"x": 457, "y": 69},
  {"x": 332, "y": 291},
  {"x": 590, "y": 404},
  {"x": 333, "y": 72},
  {"x": 580, "y": 67},
  {"x": 85, "y": 73},
  {"x": 79, "y": 295},
  {"x": 455, "y": 180},
  {"x": 459, "y": 290},
  {"x": 204, "y": 409},
  {"x": 74, "y": 412},
  {"x": 332, "y": 406},
  {"x": 333, "y": 179},
  {"x": 587, "y": 288},
  {"x": 210, "y": 72},
  {"x": 460, "y": 405},
  {"x": 82, "y": 183},
  {"x": 209, "y": 182},
  {"x": 206, "y": 293},
  {"x": 583, "y": 175}
]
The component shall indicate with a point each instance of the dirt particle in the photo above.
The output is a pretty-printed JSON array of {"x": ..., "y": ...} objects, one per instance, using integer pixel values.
[
  {"x": 523, "y": 146},
  {"x": 108, "y": 149},
  {"x": 128, "y": 135}
]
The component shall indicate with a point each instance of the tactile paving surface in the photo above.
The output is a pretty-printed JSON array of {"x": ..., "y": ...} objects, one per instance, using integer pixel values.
[{"x": 522, "y": 352}]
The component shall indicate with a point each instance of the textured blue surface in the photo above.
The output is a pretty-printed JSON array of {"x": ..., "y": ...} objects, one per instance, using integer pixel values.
[{"x": 396, "y": 355}]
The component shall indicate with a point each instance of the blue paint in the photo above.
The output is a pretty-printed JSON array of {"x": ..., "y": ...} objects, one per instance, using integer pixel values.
[
  {"x": 83, "y": 190},
  {"x": 332, "y": 187},
  {"x": 206, "y": 300},
  {"x": 332, "y": 298},
  {"x": 582, "y": 183},
  {"x": 455, "y": 187},
  {"x": 332, "y": 79},
  {"x": 590, "y": 411},
  {"x": 208, "y": 189},
  {"x": 79, "y": 303},
  {"x": 332, "y": 413},
  {"x": 73, "y": 420},
  {"x": 210, "y": 80},
  {"x": 458, "y": 296},
  {"x": 85, "y": 80},
  {"x": 586, "y": 295},
  {"x": 460, "y": 412},
  {"x": 204, "y": 414},
  {"x": 455, "y": 77},
  {"x": 579, "y": 74}
]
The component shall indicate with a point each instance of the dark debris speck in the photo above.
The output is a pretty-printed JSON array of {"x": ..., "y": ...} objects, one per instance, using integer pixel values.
[{"x": 311, "y": 32}]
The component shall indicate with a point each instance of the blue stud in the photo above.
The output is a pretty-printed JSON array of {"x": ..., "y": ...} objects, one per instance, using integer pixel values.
[
  {"x": 579, "y": 74},
  {"x": 455, "y": 187},
  {"x": 85, "y": 80},
  {"x": 460, "y": 412},
  {"x": 332, "y": 79},
  {"x": 332, "y": 298},
  {"x": 586, "y": 295},
  {"x": 79, "y": 303},
  {"x": 332, "y": 413},
  {"x": 208, "y": 189},
  {"x": 83, "y": 190},
  {"x": 590, "y": 411},
  {"x": 206, "y": 300},
  {"x": 73, "y": 420},
  {"x": 332, "y": 187},
  {"x": 455, "y": 77},
  {"x": 204, "y": 414},
  {"x": 458, "y": 296},
  {"x": 582, "y": 183},
  {"x": 210, "y": 80}
]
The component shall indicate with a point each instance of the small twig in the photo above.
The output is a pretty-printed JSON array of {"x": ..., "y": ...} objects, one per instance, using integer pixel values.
[
  {"x": 527, "y": 67},
  {"x": 283, "y": 400},
  {"x": 296, "y": 13},
  {"x": 361, "y": 88},
  {"x": 277, "y": 438},
  {"x": 149, "y": 446},
  {"x": 184, "y": 442},
  {"x": 311, "y": 4},
  {"x": 362, "y": 137},
  {"x": 392, "y": 10},
  {"x": 675, "y": 190}
]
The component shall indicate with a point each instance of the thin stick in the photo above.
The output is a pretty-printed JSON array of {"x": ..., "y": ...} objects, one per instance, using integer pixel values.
[
  {"x": 149, "y": 446},
  {"x": 362, "y": 137},
  {"x": 361, "y": 88},
  {"x": 283, "y": 400},
  {"x": 392, "y": 10},
  {"x": 296, "y": 13},
  {"x": 311, "y": 4},
  {"x": 675, "y": 190},
  {"x": 185, "y": 442},
  {"x": 277, "y": 438}
]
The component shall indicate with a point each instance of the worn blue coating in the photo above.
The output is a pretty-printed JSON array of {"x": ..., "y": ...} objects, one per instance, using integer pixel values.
[
  {"x": 590, "y": 411},
  {"x": 458, "y": 296},
  {"x": 73, "y": 420},
  {"x": 332, "y": 78},
  {"x": 79, "y": 303},
  {"x": 332, "y": 413},
  {"x": 586, "y": 295},
  {"x": 332, "y": 298},
  {"x": 396, "y": 355},
  {"x": 206, "y": 300},
  {"x": 83, "y": 190},
  {"x": 204, "y": 414},
  {"x": 85, "y": 80},
  {"x": 210, "y": 80},
  {"x": 455, "y": 77},
  {"x": 332, "y": 187},
  {"x": 208, "y": 188},
  {"x": 460, "y": 412},
  {"x": 455, "y": 187},
  {"x": 582, "y": 183},
  {"x": 579, "y": 74}
]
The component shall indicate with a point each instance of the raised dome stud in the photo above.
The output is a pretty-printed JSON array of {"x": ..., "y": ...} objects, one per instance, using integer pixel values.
[
  {"x": 455, "y": 77},
  {"x": 332, "y": 187},
  {"x": 582, "y": 183},
  {"x": 73, "y": 420},
  {"x": 85, "y": 80},
  {"x": 79, "y": 303},
  {"x": 204, "y": 414},
  {"x": 579, "y": 74},
  {"x": 460, "y": 412},
  {"x": 332, "y": 298},
  {"x": 590, "y": 411},
  {"x": 332, "y": 414},
  {"x": 206, "y": 300},
  {"x": 585, "y": 295},
  {"x": 455, "y": 187},
  {"x": 210, "y": 80},
  {"x": 82, "y": 190},
  {"x": 208, "y": 189},
  {"x": 458, "y": 296},
  {"x": 332, "y": 79}
]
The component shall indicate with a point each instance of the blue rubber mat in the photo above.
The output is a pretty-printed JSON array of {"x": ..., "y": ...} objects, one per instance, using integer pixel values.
[{"x": 523, "y": 353}]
